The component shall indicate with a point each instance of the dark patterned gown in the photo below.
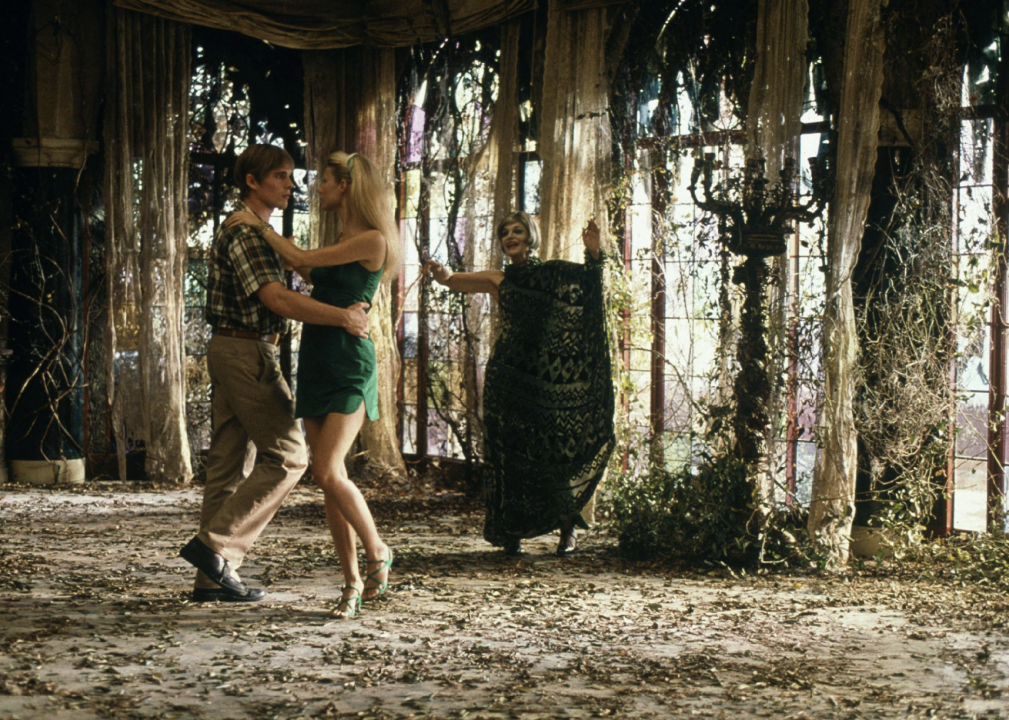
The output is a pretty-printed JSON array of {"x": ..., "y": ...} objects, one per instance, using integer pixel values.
[{"x": 548, "y": 399}]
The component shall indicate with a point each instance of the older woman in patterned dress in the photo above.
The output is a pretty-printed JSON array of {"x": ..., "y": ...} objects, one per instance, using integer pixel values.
[{"x": 548, "y": 392}]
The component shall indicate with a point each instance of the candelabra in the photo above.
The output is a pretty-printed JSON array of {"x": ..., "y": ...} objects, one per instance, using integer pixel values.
[
  {"x": 754, "y": 216},
  {"x": 753, "y": 219}
]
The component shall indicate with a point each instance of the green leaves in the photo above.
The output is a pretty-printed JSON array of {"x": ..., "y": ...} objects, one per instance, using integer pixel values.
[{"x": 695, "y": 513}]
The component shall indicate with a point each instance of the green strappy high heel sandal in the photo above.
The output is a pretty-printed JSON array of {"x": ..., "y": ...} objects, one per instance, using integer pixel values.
[
  {"x": 372, "y": 577},
  {"x": 348, "y": 607}
]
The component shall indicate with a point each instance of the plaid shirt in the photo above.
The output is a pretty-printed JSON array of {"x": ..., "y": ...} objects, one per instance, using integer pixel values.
[{"x": 241, "y": 262}]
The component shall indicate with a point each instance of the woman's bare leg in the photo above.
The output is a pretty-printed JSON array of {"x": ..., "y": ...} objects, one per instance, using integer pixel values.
[
  {"x": 344, "y": 537},
  {"x": 346, "y": 510}
]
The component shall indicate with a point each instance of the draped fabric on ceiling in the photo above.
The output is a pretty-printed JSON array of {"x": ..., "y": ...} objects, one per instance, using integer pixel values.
[
  {"x": 146, "y": 161},
  {"x": 350, "y": 105},
  {"x": 774, "y": 122},
  {"x": 574, "y": 141},
  {"x": 327, "y": 24}
]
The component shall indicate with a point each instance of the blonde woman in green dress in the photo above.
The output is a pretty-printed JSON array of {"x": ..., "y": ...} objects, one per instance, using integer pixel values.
[{"x": 337, "y": 379}]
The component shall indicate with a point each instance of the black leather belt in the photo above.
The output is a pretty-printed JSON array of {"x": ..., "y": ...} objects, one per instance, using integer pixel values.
[{"x": 272, "y": 338}]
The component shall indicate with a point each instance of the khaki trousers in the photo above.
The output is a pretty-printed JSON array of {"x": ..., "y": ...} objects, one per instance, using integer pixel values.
[{"x": 251, "y": 403}]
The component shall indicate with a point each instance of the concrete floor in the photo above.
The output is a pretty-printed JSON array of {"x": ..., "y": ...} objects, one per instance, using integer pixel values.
[{"x": 95, "y": 622}]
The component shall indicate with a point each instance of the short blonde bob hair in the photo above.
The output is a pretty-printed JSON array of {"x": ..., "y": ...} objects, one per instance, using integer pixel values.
[{"x": 526, "y": 221}]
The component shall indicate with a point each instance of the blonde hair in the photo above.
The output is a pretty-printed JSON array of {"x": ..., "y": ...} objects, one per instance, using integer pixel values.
[
  {"x": 526, "y": 221},
  {"x": 368, "y": 201}
]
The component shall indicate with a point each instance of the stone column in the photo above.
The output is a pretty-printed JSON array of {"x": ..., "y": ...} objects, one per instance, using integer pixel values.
[
  {"x": 45, "y": 380},
  {"x": 45, "y": 389}
]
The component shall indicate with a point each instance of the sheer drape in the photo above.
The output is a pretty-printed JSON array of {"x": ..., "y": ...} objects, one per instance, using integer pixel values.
[
  {"x": 832, "y": 508},
  {"x": 488, "y": 196},
  {"x": 773, "y": 124},
  {"x": 575, "y": 135},
  {"x": 774, "y": 115},
  {"x": 350, "y": 104},
  {"x": 497, "y": 166},
  {"x": 503, "y": 139},
  {"x": 146, "y": 157}
]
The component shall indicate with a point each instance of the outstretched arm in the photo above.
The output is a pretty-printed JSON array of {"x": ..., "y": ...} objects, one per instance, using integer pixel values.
[
  {"x": 367, "y": 248},
  {"x": 484, "y": 281}
]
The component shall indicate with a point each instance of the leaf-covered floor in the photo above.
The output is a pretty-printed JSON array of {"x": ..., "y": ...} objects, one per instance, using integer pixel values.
[{"x": 95, "y": 622}]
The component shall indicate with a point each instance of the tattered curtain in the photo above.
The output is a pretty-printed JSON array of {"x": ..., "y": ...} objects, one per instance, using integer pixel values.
[
  {"x": 146, "y": 156},
  {"x": 773, "y": 125},
  {"x": 575, "y": 138},
  {"x": 832, "y": 507}
]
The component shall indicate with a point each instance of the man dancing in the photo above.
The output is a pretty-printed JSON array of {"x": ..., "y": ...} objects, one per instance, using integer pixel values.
[{"x": 249, "y": 308}]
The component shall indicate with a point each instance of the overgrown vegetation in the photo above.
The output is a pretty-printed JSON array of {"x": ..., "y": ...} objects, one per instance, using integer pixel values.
[
  {"x": 693, "y": 512},
  {"x": 447, "y": 96},
  {"x": 913, "y": 305},
  {"x": 909, "y": 290},
  {"x": 699, "y": 502},
  {"x": 979, "y": 560}
]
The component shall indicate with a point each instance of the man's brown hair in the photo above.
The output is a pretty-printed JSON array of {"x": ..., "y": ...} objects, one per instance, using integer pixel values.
[{"x": 258, "y": 161}]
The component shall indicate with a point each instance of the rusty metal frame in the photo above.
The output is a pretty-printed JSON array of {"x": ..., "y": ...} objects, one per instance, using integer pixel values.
[{"x": 998, "y": 326}]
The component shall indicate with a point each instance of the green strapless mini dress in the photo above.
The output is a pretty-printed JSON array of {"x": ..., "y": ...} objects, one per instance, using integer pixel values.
[{"x": 337, "y": 371}]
